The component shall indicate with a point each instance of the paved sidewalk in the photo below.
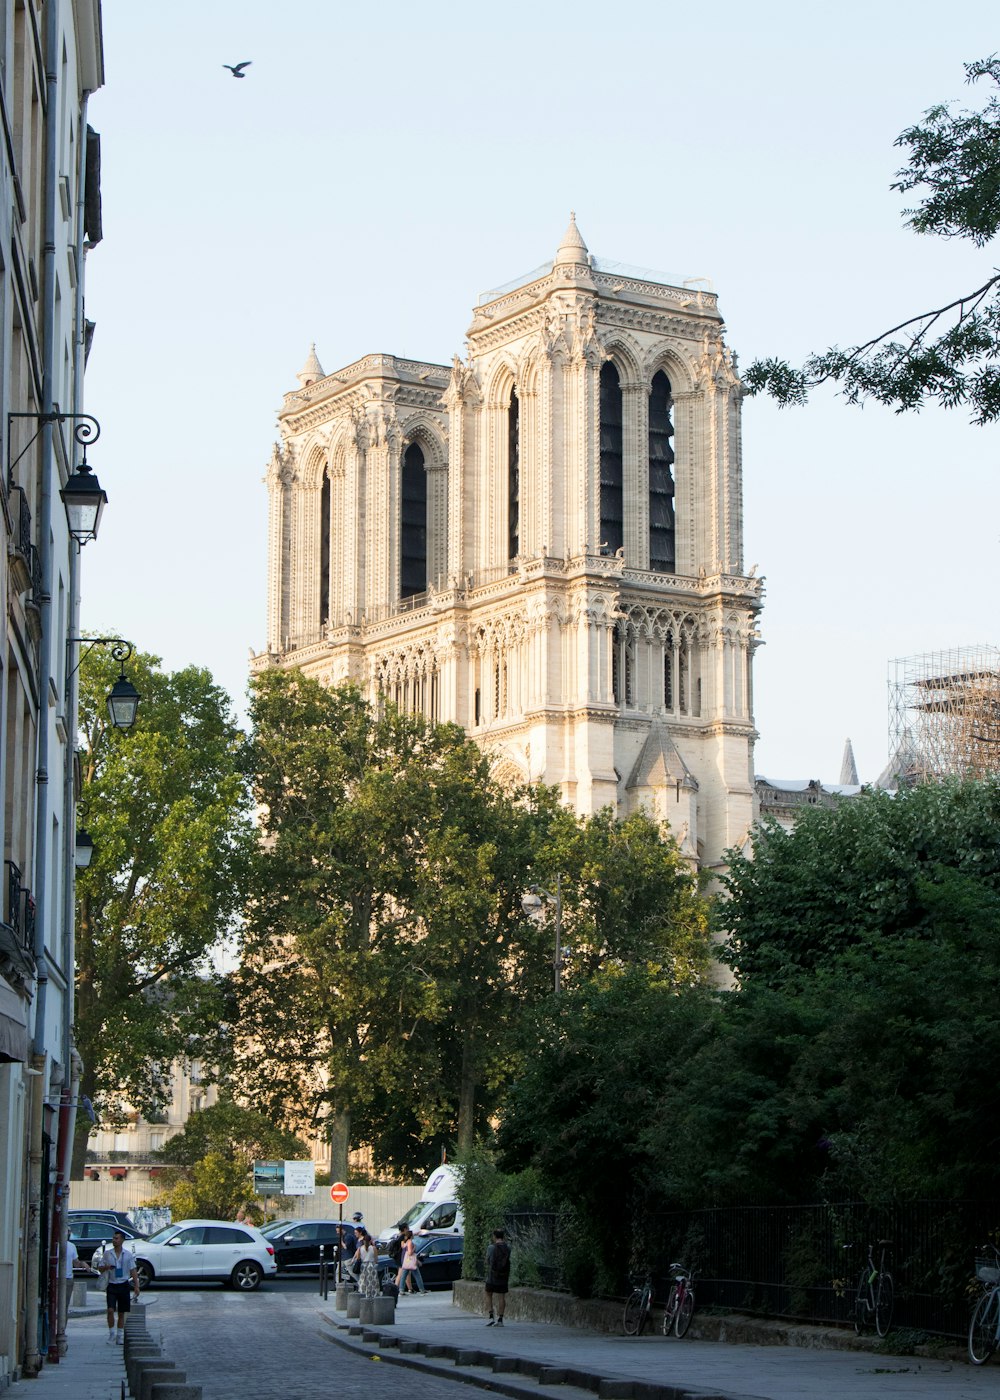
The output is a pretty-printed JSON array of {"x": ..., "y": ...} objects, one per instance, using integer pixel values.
[
  {"x": 701, "y": 1369},
  {"x": 90, "y": 1370}
]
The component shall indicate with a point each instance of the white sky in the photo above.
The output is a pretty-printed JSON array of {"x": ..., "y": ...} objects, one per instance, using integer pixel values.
[{"x": 381, "y": 165}]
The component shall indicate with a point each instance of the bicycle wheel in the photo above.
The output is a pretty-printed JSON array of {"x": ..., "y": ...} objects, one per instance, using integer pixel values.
[
  {"x": 670, "y": 1311},
  {"x": 634, "y": 1314},
  {"x": 883, "y": 1304},
  {"x": 647, "y": 1299},
  {"x": 684, "y": 1313},
  {"x": 983, "y": 1328},
  {"x": 861, "y": 1304}
]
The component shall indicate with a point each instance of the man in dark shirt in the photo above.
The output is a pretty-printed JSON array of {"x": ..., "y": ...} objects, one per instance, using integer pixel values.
[{"x": 497, "y": 1277}]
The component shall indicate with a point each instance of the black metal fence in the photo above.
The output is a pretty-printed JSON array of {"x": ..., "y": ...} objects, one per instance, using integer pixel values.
[{"x": 803, "y": 1262}]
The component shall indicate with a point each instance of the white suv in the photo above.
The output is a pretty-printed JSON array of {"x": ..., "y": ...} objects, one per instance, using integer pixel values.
[{"x": 191, "y": 1250}]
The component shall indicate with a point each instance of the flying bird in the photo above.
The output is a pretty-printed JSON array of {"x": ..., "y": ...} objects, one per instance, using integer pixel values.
[{"x": 237, "y": 68}]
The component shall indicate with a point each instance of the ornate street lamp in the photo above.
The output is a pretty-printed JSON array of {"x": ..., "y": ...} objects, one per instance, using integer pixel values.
[
  {"x": 82, "y": 495},
  {"x": 123, "y": 698},
  {"x": 84, "y": 849}
]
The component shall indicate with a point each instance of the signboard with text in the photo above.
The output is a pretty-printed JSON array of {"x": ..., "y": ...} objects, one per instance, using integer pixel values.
[{"x": 300, "y": 1178}]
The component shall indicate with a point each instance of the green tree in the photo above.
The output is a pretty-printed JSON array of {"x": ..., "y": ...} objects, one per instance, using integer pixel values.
[
  {"x": 861, "y": 870},
  {"x": 949, "y": 354},
  {"x": 213, "y": 1157},
  {"x": 628, "y": 897},
  {"x": 168, "y": 809},
  {"x": 385, "y": 909}
]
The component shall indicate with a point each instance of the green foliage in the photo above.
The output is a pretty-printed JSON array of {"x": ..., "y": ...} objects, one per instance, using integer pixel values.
[
  {"x": 491, "y": 1200},
  {"x": 168, "y": 810},
  {"x": 877, "y": 866},
  {"x": 949, "y": 354},
  {"x": 385, "y": 950},
  {"x": 608, "y": 1059},
  {"x": 213, "y": 1157}
]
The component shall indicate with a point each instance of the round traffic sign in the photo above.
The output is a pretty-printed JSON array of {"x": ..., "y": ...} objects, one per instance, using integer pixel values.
[{"x": 339, "y": 1192}]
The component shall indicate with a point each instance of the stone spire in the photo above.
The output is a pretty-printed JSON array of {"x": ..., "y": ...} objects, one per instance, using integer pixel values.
[
  {"x": 311, "y": 370},
  {"x": 848, "y": 767},
  {"x": 572, "y": 249}
]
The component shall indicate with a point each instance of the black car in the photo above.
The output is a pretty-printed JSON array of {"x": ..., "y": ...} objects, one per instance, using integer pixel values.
[
  {"x": 114, "y": 1217},
  {"x": 439, "y": 1257},
  {"x": 88, "y": 1233},
  {"x": 297, "y": 1244}
]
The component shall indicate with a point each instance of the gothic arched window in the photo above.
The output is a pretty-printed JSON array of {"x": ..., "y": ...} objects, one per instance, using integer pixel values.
[
  {"x": 612, "y": 503},
  {"x": 413, "y": 524},
  {"x": 513, "y": 478},
  {"x": 324, "y": 551},
  {"x": 662, "y": 548}
]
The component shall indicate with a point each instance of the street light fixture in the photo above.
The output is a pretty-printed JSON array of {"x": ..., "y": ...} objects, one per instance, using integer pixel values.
[
  {"x": 123, "y": 698},
  {"x": 531, "y": 903},
  {"x": 84, "y": 849},
  {"x": 82, "y": 495}
]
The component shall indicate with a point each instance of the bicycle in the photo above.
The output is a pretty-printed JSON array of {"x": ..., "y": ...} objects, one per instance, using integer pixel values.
[
  {"x": 680, "y": 1302},
  {"x": 874, "y": 1297},
  {"x": 984, "y": 1327},
  {"x": 637, "y": 1307}
]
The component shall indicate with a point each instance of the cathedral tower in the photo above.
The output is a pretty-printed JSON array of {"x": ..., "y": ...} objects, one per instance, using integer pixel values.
[{"x": 542, "y": 543}]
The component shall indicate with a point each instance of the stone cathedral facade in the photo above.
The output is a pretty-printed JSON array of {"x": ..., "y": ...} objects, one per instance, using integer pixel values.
[{"x": 542, "y": 543}]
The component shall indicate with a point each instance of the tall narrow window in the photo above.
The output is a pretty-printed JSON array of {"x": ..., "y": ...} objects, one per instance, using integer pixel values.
[
  {"x": 662, "y": 549},
  {"x": 324, "y": 551},
  {"x": 413, "y": 524},
  {"x": 513, "y": 478},
  {"x": 612, "y": 511}
]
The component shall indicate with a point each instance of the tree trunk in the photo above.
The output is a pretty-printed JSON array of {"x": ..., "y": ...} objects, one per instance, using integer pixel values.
[
  {"x": 340, "y": 1143},
  {"x": 467, "y": 1093}
]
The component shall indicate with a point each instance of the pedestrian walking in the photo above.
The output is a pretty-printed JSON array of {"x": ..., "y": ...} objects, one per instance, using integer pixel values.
[
  {"x": 408, "y": 1263},
  {"x": 118, "y": 1263},
  {"x": 366, "y": 1263},
  {"x": 497, "y": 1277}
]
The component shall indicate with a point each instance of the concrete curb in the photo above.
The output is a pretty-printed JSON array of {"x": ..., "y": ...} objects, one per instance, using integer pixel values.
[{"x": 479, "y": 1366}]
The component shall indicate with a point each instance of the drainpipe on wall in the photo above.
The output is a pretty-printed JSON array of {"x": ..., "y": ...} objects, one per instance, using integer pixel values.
[
  {"x": 67, "y": 1115},
  {"x": 32, "y": 1358}
]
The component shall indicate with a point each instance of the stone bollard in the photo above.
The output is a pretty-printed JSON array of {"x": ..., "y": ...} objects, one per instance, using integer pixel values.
[
  {"x": 144, "y": 1361},
  {"x": 174, "y": 1391},
  {"x": 78, "y": 1297},
  {"x": 377, "y": 1311},
  {"x": 353, "y": 1304},
  {"x": 343, "y": 1293},
  {"x": 168, "y": 1375}
]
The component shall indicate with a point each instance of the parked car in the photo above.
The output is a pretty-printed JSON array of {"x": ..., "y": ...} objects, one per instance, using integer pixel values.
[
  {"x": 192, "y": 1250},
  {"x": 114, "y": 1218},
  {"x": 297, "y": 1243},
  {"x": 440, "y": 1259},
  {"x": 88, "y": 1233}
]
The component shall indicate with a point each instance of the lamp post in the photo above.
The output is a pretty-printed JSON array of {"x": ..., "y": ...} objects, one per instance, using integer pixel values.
[{"x": 531, "y": 903}]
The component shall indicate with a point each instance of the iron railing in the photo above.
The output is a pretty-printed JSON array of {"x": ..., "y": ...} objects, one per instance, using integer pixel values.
[{"x": 791, "y": 1261}]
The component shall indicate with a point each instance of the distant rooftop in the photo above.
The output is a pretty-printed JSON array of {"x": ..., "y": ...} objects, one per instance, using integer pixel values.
[{"x": 613, "y": 269}]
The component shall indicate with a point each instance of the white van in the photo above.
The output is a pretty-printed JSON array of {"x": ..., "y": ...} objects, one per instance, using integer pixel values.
[{"x": 437, "y": 1212}]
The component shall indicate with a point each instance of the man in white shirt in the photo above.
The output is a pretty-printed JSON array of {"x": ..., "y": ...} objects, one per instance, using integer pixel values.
[{"x": 119, "y": 1265}]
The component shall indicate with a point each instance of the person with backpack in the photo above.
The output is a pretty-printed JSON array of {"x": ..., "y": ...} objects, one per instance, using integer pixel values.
[{"x": 497, "y": 1277}]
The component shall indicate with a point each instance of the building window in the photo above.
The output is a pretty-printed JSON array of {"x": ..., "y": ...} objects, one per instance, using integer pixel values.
[
  {"x": 668, "y": 672},
  {"x": 623, "y": 666},
  {"x": 413, "y": 524},
  {"x": 324, "y": 552},
  {"x": 513, "y": 477},
  {"x": 662, "y": 549},
  {"x": 612, "y": 511}
]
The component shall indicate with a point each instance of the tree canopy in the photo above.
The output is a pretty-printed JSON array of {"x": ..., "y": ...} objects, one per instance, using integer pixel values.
[
  {"x": 167, "y": 807},
  {"x": 388, "y": 962},
  {"x": 949, "y": 354}
]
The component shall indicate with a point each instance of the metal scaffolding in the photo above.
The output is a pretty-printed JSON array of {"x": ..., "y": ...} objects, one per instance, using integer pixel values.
[{"x": 944, "y": 715}]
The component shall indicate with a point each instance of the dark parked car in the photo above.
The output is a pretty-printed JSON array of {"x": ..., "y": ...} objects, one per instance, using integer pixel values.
[
  {"x": 114, "y": 1217},
  {"x": 440, "y": 1259},
  {"x": 297, "y": 1244},
  {"x": 89, "y": 1232}
]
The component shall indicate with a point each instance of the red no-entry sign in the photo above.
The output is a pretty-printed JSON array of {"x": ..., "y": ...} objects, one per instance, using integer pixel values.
[{"x": 339, "y": 1192}]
